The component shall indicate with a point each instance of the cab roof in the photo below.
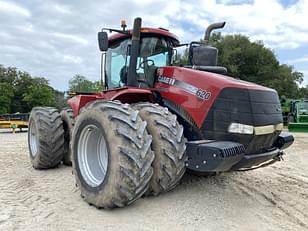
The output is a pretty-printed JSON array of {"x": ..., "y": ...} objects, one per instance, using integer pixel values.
[{"x": 144, "y": 31}]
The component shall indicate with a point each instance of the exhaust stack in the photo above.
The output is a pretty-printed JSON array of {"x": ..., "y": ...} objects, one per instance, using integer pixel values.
[
  {"x": 210, "y": 28},
  {"x": 134, "y": 52}
]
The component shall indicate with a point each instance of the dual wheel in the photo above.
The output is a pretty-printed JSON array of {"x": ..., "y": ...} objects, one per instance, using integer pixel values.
[{"x": 112, "y": 146}]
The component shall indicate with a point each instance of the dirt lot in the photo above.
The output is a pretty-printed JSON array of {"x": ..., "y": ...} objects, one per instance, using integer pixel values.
[{"x": 272, "y": 198}]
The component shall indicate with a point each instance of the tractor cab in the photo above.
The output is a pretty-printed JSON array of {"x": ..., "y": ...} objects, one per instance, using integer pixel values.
[
  {"x": 131, "y": 57},
  {"x": 154, "y": 52},
  {"x": 298, "y": 116},
  {"x": 303, "y": 108},
  {"x": 299, "y": 111}
]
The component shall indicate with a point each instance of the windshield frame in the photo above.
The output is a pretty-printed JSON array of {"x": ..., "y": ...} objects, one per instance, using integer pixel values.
[{"x": 123, "y": 46}]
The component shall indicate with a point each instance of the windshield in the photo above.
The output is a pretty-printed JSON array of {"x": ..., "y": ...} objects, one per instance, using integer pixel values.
[
  {"x": 154, "y": 52},
  {"x": 303, "y": 107}
]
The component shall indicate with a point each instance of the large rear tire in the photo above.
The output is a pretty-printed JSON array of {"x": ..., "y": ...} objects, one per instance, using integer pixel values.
[
  {"x": 168, "y": 145},
  {"x": 68, "y": 125},
  {"x": 112, "y": 154},
  {"x": 45, "y": 137}
]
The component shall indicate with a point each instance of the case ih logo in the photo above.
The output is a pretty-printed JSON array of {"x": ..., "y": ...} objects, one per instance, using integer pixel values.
[
  {"x": 205, "y": 95},
  {"x": 166, "y": 80}
]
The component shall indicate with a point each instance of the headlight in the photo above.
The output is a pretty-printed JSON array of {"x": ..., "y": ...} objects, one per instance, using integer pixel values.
[{"x": 240, "y": 128}]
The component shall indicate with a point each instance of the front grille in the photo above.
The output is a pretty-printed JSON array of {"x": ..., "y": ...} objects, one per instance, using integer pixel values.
[
  {"x": 245, "y": 106},
  {"x": 232, "y": 151}
]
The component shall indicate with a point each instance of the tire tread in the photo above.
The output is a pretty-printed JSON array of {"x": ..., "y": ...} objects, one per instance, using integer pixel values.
[{"x": 168, "y": 145}]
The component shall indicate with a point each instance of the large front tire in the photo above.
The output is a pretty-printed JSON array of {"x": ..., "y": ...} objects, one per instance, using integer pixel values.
[
  {"x": 45, "y": 137},
  {"x": 112, "y": 156},
  {"x": 168, "y": 145}
]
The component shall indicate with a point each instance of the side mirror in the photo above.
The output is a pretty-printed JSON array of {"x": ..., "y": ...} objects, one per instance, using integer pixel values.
[{"x": 102, "y": 40}]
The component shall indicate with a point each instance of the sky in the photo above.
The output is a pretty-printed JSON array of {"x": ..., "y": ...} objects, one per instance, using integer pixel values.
[{"x": 57, "y": 39}]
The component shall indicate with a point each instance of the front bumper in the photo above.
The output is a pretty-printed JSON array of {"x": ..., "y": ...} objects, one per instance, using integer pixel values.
[
  {"x": 250, "y": 161},
  {"x": 220, "y": 156}
]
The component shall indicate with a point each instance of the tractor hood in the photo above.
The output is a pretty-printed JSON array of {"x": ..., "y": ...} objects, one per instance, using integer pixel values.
[
  {"x": 203, "y": 79},
  {"x": 197, "y": 91}
]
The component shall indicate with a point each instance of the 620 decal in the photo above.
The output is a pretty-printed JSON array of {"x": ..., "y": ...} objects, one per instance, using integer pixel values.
[{"x": 203, "y": 94}]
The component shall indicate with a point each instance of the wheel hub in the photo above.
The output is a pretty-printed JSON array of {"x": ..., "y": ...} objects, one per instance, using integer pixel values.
[
  {"x": 33, "y": 139},
  {"x": 92, "y": 155}
]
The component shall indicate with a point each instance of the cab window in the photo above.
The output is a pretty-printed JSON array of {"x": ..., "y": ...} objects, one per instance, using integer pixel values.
[{"x": 154, "y": 52}]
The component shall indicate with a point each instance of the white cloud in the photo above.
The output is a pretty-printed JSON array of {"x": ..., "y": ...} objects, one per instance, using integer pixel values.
[
  {"x": 13, "y": 8},
  {"x": 57, "y": 38},
  {"x": 299, "y": 60},
  {"x": 71, "y": 59},
  {"x": 4, "y": 35},
  {"x": 263, "y": 19},
  {"x": 71, "y": 38},
  {"x": 268, "y": 20},
  {"x": 62, "y": 9},
  {"x": 305, "y": 82},
  {"x": 235, "y": 2}
]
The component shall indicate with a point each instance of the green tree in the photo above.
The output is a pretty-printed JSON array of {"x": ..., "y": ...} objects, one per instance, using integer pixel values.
[
  {"x": 97, "y": 86},
  {"x": 182, "y": 59},
  {"x": 19, "y": 91},
  {"x": 8, "y": 75},
  {"x": 253, "y": 62},
  {"x": 303, "y": 92},
  {"x": 80, "y": 83},
  {"x": 7, "y": 92},
  {"x": 60, "y": 100},
  {"x": 23, "y": 82},
  {"x": 285, "y": 80},
  {"x": 39, "y": 95}
]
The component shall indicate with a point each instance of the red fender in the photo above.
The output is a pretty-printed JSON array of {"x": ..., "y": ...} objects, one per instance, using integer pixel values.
[{"x": 125, "y": 95}]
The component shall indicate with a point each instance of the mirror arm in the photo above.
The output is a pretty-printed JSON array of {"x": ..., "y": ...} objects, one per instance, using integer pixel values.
[{"x": 116, "y": 30}]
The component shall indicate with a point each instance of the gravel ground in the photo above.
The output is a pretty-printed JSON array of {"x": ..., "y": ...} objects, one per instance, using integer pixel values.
[{"x": 272, "y": 198}]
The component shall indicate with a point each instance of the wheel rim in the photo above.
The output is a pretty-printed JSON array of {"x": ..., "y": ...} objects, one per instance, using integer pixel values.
[
  {"x": 92, "y": 155},
  {"x": 33, "y": 140}
]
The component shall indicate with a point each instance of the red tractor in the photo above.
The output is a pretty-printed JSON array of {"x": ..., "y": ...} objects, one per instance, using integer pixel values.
[{"x": 155, "y": 120}]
